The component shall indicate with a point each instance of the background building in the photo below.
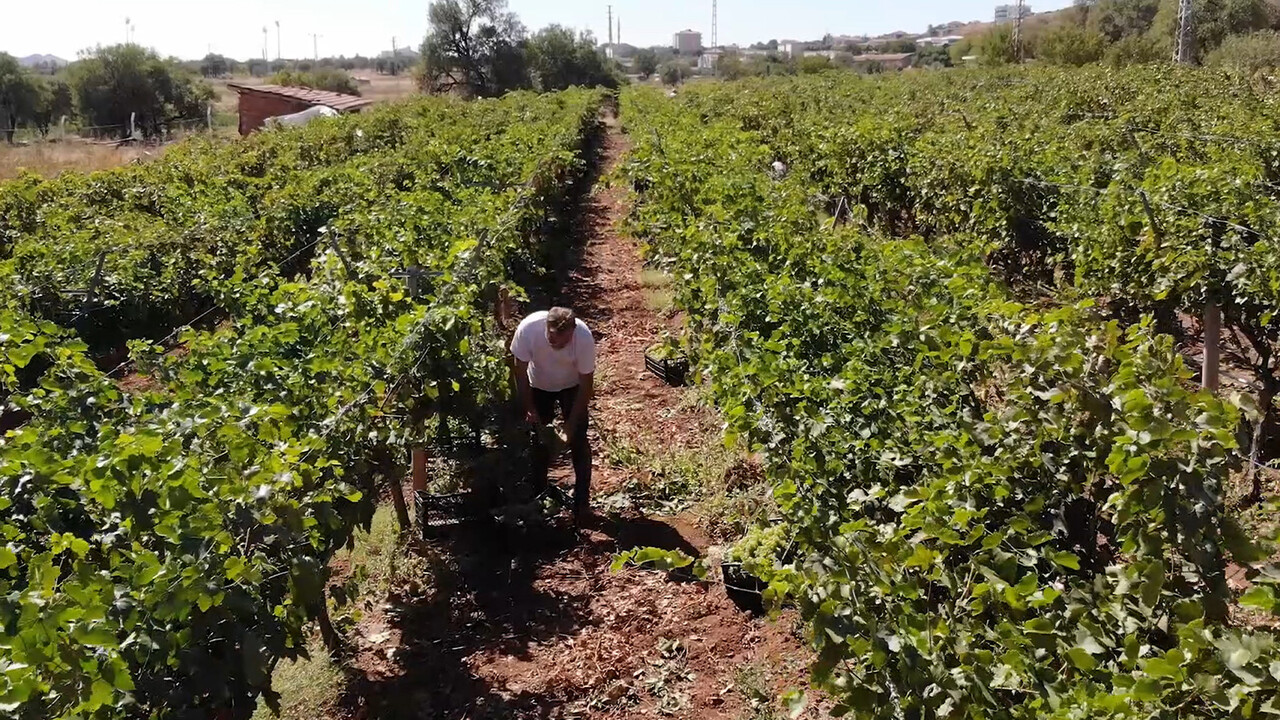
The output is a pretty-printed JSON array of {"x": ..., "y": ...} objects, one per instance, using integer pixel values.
[
  {"x": 687, "y": 42},
  {"x": 1007, "y": 13}
]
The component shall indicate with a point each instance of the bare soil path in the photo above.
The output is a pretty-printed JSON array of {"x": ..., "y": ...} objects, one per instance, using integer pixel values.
[{"x": 534, "y": 625}]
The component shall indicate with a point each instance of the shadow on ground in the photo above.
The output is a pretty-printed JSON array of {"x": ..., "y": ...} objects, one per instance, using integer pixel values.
[
  {"x": 498, "y": 591},
  {"x": 500, "y": 588}
]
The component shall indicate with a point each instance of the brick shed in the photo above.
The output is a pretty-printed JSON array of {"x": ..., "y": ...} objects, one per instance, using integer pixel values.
[{"x": 259, "y": 102}]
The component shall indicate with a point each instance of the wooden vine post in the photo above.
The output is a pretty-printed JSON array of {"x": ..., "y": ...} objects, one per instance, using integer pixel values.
[
  {"x": 1212, "y": 352},
  {"x": 419, "y": 458},
  {"x": 1182, "y": 54}
]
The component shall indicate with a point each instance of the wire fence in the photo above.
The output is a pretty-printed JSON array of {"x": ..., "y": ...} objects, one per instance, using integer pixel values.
[{"x": 138, "y": 131}]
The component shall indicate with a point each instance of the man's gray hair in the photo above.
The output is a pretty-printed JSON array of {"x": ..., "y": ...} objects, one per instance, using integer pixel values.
[{"x": 561, "y": 319}]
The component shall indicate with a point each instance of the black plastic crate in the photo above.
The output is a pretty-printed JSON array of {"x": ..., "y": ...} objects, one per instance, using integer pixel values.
[
  {"x": 672, "y": 371},
  {"x": 744, "y": 589},
  {"x": 559, "y": 495},
  {"x": 437, "y": 512}
]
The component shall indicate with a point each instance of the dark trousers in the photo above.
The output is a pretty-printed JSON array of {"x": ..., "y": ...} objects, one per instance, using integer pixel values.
[{"x": 545, "y": 403}]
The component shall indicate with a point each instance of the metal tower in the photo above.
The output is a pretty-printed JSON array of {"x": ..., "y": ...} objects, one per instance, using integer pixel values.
[
  {"x": 1182, "y": 52},
  {"x": 611, "y": 25},
  {"x": 1017, "y": 31},
  {"x": 715, "y": 25}
]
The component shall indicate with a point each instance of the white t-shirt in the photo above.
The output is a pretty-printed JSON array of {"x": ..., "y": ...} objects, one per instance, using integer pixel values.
[{"x": 550, "y": 369}]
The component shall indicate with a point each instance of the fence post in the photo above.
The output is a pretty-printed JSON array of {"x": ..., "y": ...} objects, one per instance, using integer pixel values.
[
  {"x": 1212, "y": 332},
  {"x": 208, "y": 116}
]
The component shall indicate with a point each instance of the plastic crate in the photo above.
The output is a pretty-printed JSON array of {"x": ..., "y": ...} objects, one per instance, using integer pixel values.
[
  {"x": 672, "y": 371},
  {"x": 559, "y": 495},
  {"x": 438, "y": 512},
  {"x": 744, "y": 589}
]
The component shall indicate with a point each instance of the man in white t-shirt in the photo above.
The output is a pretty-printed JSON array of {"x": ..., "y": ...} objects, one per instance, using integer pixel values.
[{"x": 556, "y": 364}]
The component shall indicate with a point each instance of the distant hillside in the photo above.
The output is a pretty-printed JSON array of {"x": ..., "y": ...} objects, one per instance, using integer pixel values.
[
  {"x": 42, "y": 61},
  {"x": 978, "y": 27}
]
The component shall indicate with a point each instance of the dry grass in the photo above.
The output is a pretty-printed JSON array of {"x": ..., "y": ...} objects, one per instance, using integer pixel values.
[
  {"x": 50, "y": 158},
  {"x": 386, "y": 88},
  {"x": 309, "y": 687}
]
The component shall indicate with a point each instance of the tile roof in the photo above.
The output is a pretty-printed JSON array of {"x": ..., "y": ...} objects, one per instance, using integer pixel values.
[{"x": 338, "y": 101}]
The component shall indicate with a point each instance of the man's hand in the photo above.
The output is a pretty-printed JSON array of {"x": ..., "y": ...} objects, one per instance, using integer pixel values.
[{"x": 524, "y": 393}]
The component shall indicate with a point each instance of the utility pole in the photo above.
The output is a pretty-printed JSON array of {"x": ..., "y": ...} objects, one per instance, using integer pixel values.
[
  {"x": 610, "y": 25},
  {"x": 1017, "y": 31},
  {"x": 315, "y": 46},
  {"x": 279, "y": 44},
  {"x": 715, "y": 25},
  {"x": 619, "y": 29},
  {"x": 126, "y": 31},
  {"x": 264, "y": 45},
  {"x": 1183, "y": 50}
]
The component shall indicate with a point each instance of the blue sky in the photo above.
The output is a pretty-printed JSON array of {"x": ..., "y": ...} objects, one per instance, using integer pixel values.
[{"x": 234, "y": 27}]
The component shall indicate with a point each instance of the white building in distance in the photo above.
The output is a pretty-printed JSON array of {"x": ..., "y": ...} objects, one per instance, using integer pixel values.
[
  {"x": 687, "y": 42},
  {"x": 939, "y": 41},
  {"x": 1008, "y": 13}
]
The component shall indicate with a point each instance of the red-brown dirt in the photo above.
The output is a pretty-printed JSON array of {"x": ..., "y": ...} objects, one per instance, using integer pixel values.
[{"x": 531, "y": 623}]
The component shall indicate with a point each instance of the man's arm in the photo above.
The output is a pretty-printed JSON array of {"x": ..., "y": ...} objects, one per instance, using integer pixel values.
[
  {"x": 523, "y": 393},
  {"x": 586, "y": 388}
]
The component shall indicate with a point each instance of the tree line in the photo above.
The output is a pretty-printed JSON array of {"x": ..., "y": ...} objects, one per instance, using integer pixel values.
[
  {"x": 215, "y": 65},
  {"x": 103, "y": 89},
  {"x": 478, "y": 48},
  {"x": 1243, "y": 35},
  {"x": 1236, "y": 34}
]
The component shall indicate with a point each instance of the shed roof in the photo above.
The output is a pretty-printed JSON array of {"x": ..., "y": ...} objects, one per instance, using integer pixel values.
[{"x": 338, "y": 101}]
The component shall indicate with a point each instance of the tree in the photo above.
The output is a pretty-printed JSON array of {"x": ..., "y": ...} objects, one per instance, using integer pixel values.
[
  {"x": 214, "y": 65},
  {"x": 1135, "y": 50},
  {"x": 54, "y": 102},
  {"x": 1067, "y": 44},
  {"x": 731, "y": 67},
  {"x": 1118, "y": 19},
  {"x": 1248, "y": 54},
  {"x": 959, "y": 50},
  {"x": 558, "y": 60},
  {"x": 475, "y": 47},
  {"x": 110, "y": 84},
  {"x": 1213, "y": 21},
  {"x": 995, "y": 46},
  {"x": 1080, "y": 12},
  {"x": 905, "y": 45},
  {"x": 814, "y": 64},
  {"x": 331, "y": 79},
  {"x": 646, "y": 63},
  {"x": 933, "y": 56},
  {"x": 19, "y": 95},
  {"x": 675, "y": 72}
]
